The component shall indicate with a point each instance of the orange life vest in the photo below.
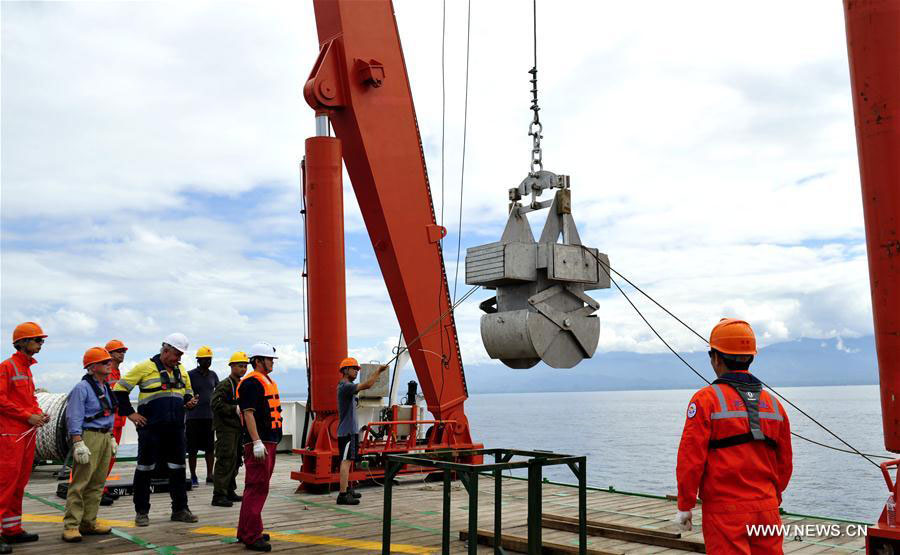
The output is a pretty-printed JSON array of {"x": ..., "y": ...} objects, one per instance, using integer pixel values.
[{"x": 270, "y": 391}]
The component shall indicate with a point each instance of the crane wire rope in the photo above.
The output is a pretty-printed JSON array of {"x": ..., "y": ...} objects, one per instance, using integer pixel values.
[
  {"x": 462, "y": 172},
  {"x": 610, "y": 270}
]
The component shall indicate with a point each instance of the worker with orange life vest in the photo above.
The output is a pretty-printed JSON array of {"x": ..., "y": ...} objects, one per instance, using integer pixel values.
[
  {"x": 735, "y": 449},
  {"x": 20, "y": 417},
  {"x": 116, "y": 350},
  {"x": 257, "y": 396}
]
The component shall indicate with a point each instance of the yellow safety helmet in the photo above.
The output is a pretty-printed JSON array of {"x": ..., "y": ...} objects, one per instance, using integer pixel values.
[
  {"x": 239, "y": 356},
  {"x": 204, "y": 352}
]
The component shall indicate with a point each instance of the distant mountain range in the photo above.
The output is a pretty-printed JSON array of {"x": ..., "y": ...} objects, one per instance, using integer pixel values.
[{"x": 803, "y": 362}]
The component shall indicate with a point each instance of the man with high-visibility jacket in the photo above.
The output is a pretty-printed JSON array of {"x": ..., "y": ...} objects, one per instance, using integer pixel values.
[
  {"x": 20, "y": 417},
  {"x": 165, "y": 391},
  {"x": 736, "y": 450},
  {"x": 116, "y": 350},
  {"x": 257, "y": 396}
]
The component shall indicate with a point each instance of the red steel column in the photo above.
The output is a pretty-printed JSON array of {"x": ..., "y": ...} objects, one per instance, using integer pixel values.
[
  {"x": 327, "y": 284},
  {"x": 873, "y": 44}
]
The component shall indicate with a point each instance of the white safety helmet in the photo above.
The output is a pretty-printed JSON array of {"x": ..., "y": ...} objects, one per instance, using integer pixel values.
[
  {"x": 178, "y": 341},
  {"x": 262, "y": 349}
]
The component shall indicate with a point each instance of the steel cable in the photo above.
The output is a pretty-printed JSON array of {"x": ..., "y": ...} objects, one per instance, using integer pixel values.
[{"x": 608, "y": 269}]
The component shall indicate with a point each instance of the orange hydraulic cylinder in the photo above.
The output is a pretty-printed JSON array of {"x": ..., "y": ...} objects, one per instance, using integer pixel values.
[
  {"x": 873, "y": 45},
  {"x": 327, "y": 283}
]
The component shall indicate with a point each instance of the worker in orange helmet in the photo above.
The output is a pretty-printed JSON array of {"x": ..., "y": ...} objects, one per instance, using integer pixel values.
[
  {"x": 20, "y": 417},
  {"x": 116, "y": 350},
  {"x": 348, "y": 428},
  {"x": 735, "y": 449}
]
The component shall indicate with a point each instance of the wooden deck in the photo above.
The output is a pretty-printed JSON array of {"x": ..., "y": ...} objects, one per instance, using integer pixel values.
[{"x": 315, "y": 524}]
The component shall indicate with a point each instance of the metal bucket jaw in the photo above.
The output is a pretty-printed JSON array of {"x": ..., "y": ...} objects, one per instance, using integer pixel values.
[{"x": 541, "y": 311}]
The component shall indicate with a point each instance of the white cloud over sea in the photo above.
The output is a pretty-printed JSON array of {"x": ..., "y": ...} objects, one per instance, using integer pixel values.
[{"x": 150, "y": 152}]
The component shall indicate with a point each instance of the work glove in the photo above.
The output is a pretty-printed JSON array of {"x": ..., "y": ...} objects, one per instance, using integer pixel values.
[
  {"x": 259, "y": 450},
  {"x": 82, "y": 453},
  {"x": 114, "y": 445},
  {"x": 683, "y": 520}
]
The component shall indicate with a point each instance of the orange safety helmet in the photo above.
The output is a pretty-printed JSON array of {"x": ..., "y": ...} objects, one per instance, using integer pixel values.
[
  {"x": 95, "y": 355},
  {"x": 27, "y": 330},
  {"x": 734, "y": 337},
  {"x": 348, "y": 362},
  {"x": 115, "y": 345}
]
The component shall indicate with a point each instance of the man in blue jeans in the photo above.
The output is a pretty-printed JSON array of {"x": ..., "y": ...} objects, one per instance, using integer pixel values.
[{"x": 348, "y": 429}]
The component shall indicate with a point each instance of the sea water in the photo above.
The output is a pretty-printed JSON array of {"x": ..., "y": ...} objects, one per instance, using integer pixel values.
[{"x": 631, "y": 440}]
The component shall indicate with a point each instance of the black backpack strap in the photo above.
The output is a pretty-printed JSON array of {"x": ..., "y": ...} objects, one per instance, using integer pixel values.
[{"x": 750, "y": 393}]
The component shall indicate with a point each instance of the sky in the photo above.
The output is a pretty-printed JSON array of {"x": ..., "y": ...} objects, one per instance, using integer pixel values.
[{"x": 150, "y": 157}]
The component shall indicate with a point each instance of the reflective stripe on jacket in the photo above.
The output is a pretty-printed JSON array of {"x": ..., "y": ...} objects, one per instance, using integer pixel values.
[
  {"x": 745, "y": 477},
  {"x": 17, "y": 400},
  {"x": 160, "y": 399}
]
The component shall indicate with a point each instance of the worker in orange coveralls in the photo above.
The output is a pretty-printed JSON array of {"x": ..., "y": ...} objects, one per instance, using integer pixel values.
[
  {"x": 116, "y": 350},
  {"x": 735, "y": 449},
  {"x": 20, "y": 417}
]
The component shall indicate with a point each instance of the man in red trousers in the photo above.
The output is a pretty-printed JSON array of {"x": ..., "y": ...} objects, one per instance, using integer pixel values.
[
  {"x": 116, "y": 350},
  {"x": 260, "y": 405},
  {"x": 20, "y": 417}
]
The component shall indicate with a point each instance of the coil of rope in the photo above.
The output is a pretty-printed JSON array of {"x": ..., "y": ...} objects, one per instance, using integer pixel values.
[{"x": 53, "y": 437}]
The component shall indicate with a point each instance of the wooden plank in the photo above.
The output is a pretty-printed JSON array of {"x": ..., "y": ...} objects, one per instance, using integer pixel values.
[
  {"x": 627, "y": 533},
  {"x": 624, "y": 528},
  {"x": 520, "y": 544}
]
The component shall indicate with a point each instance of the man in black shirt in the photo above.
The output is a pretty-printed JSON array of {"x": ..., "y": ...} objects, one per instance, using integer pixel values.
[
  {"x": 258, "y": 400},
  {"x": 198, "y": 424}
]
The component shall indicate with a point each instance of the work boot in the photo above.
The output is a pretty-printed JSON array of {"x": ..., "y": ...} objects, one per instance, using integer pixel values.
[
  {"x": 346, "y": 499},
  {"x": 21, "y": 537},
  {"x": 142, "y": 519},
  {"x": 353, "y": 493},
  {"x": 97, "y": 530},
  {"x": 5, "y": 548},
  {"x": 235, "y": 497},
  {"x": 221, "y": 502},
  {"x": 259, "y": 545},
  {"x": 106, "y": 500},
  {"x": 184, "y": 515},
  {"x": 71, "y": 535}
]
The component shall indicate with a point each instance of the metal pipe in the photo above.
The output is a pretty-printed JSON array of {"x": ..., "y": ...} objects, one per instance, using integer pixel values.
[
  {"x": 322, "y": 126},
  {"x": 873, "y": 46}
]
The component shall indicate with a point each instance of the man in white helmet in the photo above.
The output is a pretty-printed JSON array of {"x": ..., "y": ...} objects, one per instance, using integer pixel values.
[
  {"x": 165, "y": 392},
  {"x": 258, "y": 400}
]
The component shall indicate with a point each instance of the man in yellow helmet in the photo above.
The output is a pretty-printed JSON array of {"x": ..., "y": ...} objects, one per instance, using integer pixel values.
[
  {"x": 227, "y": 425},
  {"x": 199, "y": 424}
]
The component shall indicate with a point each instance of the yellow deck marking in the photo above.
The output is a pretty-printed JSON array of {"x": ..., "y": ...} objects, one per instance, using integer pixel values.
[
  {"x": 320, "y": 540},
  {"x": 59, "y": 519}
]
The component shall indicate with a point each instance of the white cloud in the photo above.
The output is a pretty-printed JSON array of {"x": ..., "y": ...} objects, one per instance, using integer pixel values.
[{"x": 150, "y": 150}]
